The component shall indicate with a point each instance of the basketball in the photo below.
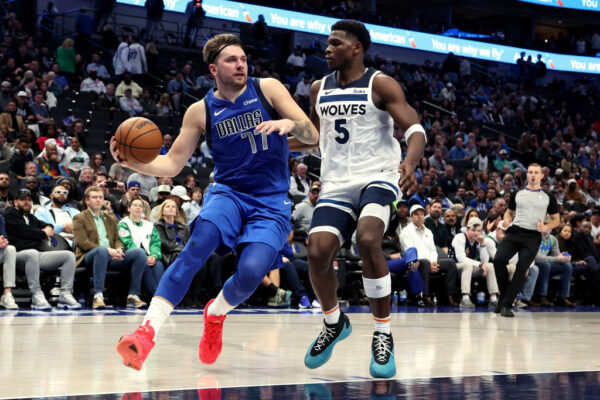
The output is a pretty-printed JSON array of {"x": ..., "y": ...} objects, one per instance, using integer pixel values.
[{"x": 139, "y": 140}]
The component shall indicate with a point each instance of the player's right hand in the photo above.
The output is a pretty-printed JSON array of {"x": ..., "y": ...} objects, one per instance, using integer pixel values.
[{"x": 408, "y": 181}]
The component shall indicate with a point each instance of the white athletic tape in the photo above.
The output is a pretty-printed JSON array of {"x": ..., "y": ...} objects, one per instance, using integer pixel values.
[
  {"x": 378, "y": 288},
  {"x": 414, "y": 128}
]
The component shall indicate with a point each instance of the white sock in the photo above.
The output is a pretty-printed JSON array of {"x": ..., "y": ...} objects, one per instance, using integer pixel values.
[
  {"x": 383, "y": 324},
  {"x": 157, "y": 313},
  {"x": 493, "y": 297},
  {"x": 332, "y": 316},
  {"x": 220, "y": 306},
  {"x": 466, "y": 297}
]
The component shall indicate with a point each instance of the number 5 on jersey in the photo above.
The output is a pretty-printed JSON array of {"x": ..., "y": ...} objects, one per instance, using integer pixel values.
[
  {"x": 343, "y": 134},
  {"x": 250, "y": 136}
]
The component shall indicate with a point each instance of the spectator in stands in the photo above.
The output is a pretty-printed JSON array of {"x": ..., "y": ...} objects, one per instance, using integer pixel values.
[
  {"x": 573, "y": 193},
  {"x": 98, "y": 246},
  {"x": 27, "y": 234},
  {"x": 457, "y": 152},
  {"x": 57, "y": 214},
  {"x": 128, "y": 83},
  {"x": 154, "y": 192},
  {"x": 121, "y": 57},
  {"x": 39, "y": 109},
  {"x": 147, "y": 182},
  {"x": 50, "y": 132},
  {"x": 48, "y": 162},
  {"x": 75, "y": 158},
  {"x": 147, "y": 103},
  {"x": 176, "y": 88},
  {"x": 297, "y": 58},
  {"x": 417, "y": 235},
  {"x": 5, "y": 95},
  {"x": 65, "y": 58},
  {"x": 163, "y": 107},
  {"x": 205, "y": 82},
  {"x": 20, "y": 157},
  {"x": 448, "y": 182},
  {"x": 195, "y": 19},
  {"x": 137, "y": 60},
  {"x": 480, "y": 203},
  {"x": 134, "y": 192},
  {"x": 97, "y": 66},
  {"x": 86, "y": 176},
  {"x": 92, "y": 83},
  {"x": 8, "y": 258},
  {"x": 300, "y": 183},
  {"x": 179, "y": 196},
  {"x": 11, "y": 119},
  {"x": 302, "y": 93},
  {"x": 441, "y": 237},
  {"x": 166, "y": 145},
  {"x": 6, "y": 197},
  {"x": 447, "y": 93},
  {"x": 437, "y": 159},
  {"x": 551, "y": 262},
  {"x": 163, "y": 192},
  {"x": 260, "y": 33},
  {"x": 154, "y": 15},
  {"x": 129, "y": 104},
  {"x": 192, "y": 208},
  {"x": 173, "y": 231},
  {"x": 23, "y": 108},
  {"x": 109, "y": 100},
  {"x": 59, "y": 78},
  {"x": 37, "y": 198},
  {"x": 473, "y": 260},
  {"x": 419, "y": 196},
  {"x": 6, "y": 151},
  {"x": 136, "y": 233},
  {"x": 303, "y": 212}
]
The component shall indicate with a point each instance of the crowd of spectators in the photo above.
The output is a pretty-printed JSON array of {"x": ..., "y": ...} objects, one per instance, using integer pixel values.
[{"x": 109, "y": 218}]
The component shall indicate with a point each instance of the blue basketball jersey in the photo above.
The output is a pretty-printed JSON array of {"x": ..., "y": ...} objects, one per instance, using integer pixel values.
[{"x": 245, "y": 160}]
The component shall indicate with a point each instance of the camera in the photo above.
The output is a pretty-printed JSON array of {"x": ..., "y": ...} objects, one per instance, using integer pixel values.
[{"x": 111, "y": 185}]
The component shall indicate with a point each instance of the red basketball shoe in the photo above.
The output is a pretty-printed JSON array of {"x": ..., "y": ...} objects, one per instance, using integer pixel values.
[
  {"x": 135, "y": 347},
  {"x": 212, "y": 337}
]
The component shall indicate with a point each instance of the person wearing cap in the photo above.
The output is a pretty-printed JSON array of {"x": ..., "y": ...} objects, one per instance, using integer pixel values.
[
  {"x": 99, "y": 247},
  {"x": 147, "y": 182},
  {"x": 491, "y": 244},
  {"x": 551, "y": 262},
  {"x": 27, "y": 234},
  {"x": 11, "y": 119},
  {"x": 526, "y": 212},
  {"x": 417, "y": 235},
  {"x": 179, "y": 195},
  {"x": 161, "y": 181},
  {"x": 163, "y": 192},
  {"x": 136, "y": 233},
  {"x": 92, "y": 83},
  {"x": 129, "y": 104},
  {"x": 447, "y": 92},
  {"x": 49, "y": 161},
  {"x": 134, "y": 191},
  {"x": 303, "y": 212},
  {"x": 23, "y": 107},
  {"x": 473, "y": 260}
]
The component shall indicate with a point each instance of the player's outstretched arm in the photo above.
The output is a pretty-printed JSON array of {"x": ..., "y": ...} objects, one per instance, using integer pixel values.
[
  {"x": 295, "y": 144},
  {"x": 294, "y": 122},
  {"x": 173, "y": 162},
  {"x": 388, "y": 95}
]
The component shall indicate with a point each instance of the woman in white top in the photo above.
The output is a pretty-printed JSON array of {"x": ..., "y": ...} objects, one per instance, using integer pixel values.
[{"x": 192, "y": 208}]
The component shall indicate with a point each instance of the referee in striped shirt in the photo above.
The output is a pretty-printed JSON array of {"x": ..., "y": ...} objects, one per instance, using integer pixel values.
[{"x": 526, "y": 211}]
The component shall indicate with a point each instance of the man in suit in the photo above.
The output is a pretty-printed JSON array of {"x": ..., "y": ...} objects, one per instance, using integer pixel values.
[
  {"x": 98, "y": 246},
  {"x": 10, "y": 118}
]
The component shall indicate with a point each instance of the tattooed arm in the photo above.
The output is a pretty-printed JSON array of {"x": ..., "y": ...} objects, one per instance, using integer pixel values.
[{"x": 294, "y": 122}]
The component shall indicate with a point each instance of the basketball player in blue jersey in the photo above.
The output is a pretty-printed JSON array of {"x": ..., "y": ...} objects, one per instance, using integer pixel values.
[
  {"x": 355, "y": 109},
  {"x": 247, "y": 205}
]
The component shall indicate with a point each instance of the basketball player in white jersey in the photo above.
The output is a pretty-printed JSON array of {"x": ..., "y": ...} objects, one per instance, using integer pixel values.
[{"x": 356, "y": 109}]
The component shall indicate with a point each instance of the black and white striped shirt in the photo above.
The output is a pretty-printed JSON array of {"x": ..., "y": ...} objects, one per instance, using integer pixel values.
[{"x": 531, "y": 206}]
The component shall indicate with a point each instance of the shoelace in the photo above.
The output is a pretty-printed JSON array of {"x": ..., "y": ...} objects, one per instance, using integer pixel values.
[
  {"x": 326, "y": 335},
  {"x": 213, "y": 332},
  {"x": 382, "y": 347}
]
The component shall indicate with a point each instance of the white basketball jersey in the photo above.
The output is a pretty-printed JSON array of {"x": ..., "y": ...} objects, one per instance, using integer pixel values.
[{"x": 356, "y": 138}]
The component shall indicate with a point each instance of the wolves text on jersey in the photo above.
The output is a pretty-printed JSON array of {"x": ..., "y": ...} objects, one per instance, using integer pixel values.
[
  {"x": 343, "y": 109},
  {"x": 239, "y": 123}
]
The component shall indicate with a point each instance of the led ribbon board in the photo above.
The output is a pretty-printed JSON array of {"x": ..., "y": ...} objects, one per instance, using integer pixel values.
[
  {"x": 587, "y": 5},
  {"x": 320, "y": 25}
]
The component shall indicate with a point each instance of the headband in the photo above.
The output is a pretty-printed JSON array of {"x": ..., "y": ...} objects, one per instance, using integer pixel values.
[{"x": 213, "y": 58}]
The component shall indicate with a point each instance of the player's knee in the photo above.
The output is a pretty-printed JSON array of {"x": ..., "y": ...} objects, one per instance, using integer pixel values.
[{"x": 368, "y": 242}]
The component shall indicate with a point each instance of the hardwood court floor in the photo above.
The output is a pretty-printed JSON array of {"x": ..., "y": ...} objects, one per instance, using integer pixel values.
[{"x": 72, "y": 353}]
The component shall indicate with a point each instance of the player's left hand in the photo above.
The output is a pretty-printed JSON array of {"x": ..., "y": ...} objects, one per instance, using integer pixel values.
[
  {"x": 541, "y": 227},
  {"x": 284, "y": 126},
  {"x": 408, "y": 181}
]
